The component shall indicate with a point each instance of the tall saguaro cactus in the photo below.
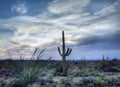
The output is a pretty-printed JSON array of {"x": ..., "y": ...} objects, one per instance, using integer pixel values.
[{"x": 64, "y": 53}]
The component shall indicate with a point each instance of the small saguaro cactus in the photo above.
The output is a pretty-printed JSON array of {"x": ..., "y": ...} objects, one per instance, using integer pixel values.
[{"x": 64, "y": 53}]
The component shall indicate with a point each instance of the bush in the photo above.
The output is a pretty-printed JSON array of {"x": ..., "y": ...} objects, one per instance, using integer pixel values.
[
  {"x": 7, "y": 82},
  {"x": 73, "y": 71},
  {"x": 66, "y": 82},
  {"x": 85, "y": 72},
  {"x": 31, "y": 69}
]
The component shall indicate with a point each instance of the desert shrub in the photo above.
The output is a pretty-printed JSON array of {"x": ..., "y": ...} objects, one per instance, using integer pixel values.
[
  {"x": 58, "y": 69},
  {"x": 51, "y": 73},
  {"x": 7, "y": 82},
  {"x": 115, "y": 62},
  {"x": 66, "y": 81},
  {"x": 84, "y": 72},
  {"x": 87, "y": 82},
  {"x": 88, "y": 72},
  {"x": 109, "y": 65},
  {"x": 73, "y": 71},
  {"x": 2, "y": 82},
  {"x": 99, "y": 82},
  {"x": 31, "y": 69},
  {"x": 28, "y": 76},
  {"x": 50, "y": 85},
  {"x": 105, "y": 81}
]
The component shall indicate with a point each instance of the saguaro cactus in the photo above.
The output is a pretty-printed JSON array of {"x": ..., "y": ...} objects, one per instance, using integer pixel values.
[{"x": 63, "y": 53}]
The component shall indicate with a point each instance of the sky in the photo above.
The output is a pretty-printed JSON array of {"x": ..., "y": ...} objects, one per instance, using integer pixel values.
[{"x": 92, "y": 28}]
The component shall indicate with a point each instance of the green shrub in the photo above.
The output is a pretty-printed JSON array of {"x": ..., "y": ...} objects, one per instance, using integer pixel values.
[
  {"x": 88, "y": 72},
  {"x": 101, "y": 80},
  {"x": 84, "y": 72},
  {"x": 73, "y": 71},
  {"x": 31, "y": 69},
  {"x": 50, "y": 85},
  {"x": 7, "y": 82},
  {"x": 66, "y": 80}
]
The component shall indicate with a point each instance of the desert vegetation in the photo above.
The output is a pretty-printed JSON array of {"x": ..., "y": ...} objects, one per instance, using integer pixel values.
[
  {"x": 43, "y": 73},
  {"x": 64, "y": 54}
]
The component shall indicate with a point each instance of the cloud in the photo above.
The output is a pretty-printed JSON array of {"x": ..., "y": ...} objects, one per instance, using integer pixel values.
[
  {"x": 19, "y": 8},
  {"x": 67, "y": 6},
  {"x": 109, "y": 9},
  {"x": 112, "y": 39},
  {"x": 82, "y": 28}
]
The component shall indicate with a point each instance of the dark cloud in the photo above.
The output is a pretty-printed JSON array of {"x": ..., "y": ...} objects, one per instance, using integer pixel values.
[
  {"x": 116, "y": 37},
  {"x": 89, "y": 40},
  {"x": 110, "y": 41}
]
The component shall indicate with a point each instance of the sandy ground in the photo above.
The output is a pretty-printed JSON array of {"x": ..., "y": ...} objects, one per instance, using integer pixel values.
[{"x": 77, "y": 79}]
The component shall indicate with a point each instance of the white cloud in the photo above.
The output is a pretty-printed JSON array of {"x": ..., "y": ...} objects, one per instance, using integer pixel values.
[
  {"x": 67, "y": 6},
  {"x": 45, "y": 30},
  {"x": 19, "y": 8}
]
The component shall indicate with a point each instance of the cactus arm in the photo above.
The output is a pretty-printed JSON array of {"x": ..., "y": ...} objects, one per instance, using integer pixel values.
[
  {"x": 68, "y": 51},
  {"x": 59, "y": 51}
]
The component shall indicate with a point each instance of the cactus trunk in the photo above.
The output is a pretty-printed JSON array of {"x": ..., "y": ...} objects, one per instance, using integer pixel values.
[
  {"x": 63, "y": 56},
  {"x": 64, "y": 53}
]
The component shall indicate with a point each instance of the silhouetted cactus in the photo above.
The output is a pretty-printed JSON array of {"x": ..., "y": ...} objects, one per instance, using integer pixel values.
[
  {"x": 103, "y": 59},
  {"x": 64, "y": 53}
]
